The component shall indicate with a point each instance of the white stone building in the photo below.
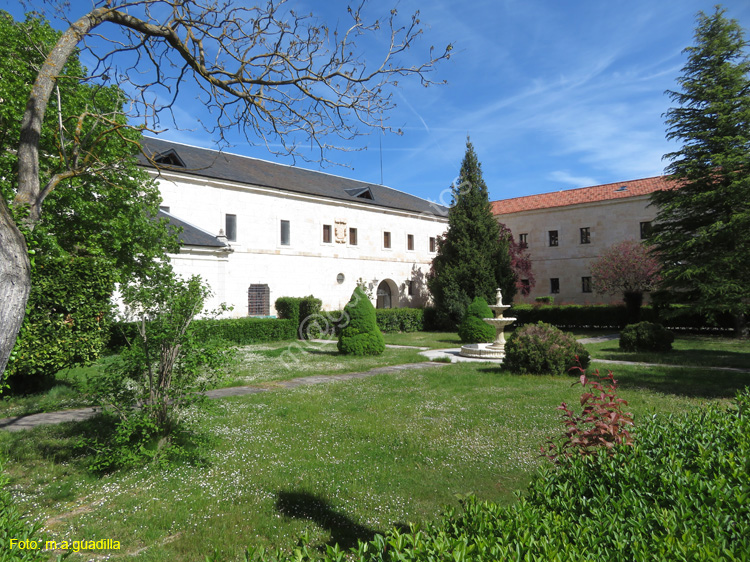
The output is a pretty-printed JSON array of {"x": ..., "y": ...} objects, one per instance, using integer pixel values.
[
  {"x": 256, "y": 231},
  {"x": 567, "y": 230}
]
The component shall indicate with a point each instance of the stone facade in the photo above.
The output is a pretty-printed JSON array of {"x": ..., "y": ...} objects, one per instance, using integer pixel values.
[
  {"x": 566, "y": 231},
  {"x": 300, "y": 243}
]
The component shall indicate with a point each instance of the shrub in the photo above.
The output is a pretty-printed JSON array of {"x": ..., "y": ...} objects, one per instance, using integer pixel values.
[
  {"x": 360, "y": 334},
  {"x": 646, "y": 336},
  {"x": 163, "y": 371},
  {"x": 238, "y": 331},
  {"x": 473, "y": 329},
  {"x": 602, "y": 423},
  {"x": 544, "y": 300},
  {"x": 304, "y": 313},
  {"x": 543, "y": 349},
  {"x": 400, "y": 319},
  {"x": 288, "y": 308}
]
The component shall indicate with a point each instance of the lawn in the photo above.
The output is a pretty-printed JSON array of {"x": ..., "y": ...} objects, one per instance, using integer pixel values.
[
  {"x": 694, "y": 350},
  {"x": 338, "y": 461}
]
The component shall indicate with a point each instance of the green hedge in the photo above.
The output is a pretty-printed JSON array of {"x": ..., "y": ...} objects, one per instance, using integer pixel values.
[
  {"x": 571, "y": 316},
  {"x": 240, "y": 331},
  {"x": 400, "y": 319},
  {"x": 304, "y": 312}
]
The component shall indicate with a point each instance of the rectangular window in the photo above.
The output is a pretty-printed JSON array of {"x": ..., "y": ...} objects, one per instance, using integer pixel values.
[
  {"x": 585, "y": 284},
  {"x": 230, "y": 222},
  {"x": 554, "y": 285},
  {"x": 433, "y": 244},
  {"x": 285, "y": 233},
  {"x": 409, "y": 241},
  {"x": 410, "y": 284},
  {"x": 327, "y": 233},
  {"x": 523, "y": 239},
  {"x": 386, "y": 240},
  {"x": 553, "y": 238},
  {"x": 258, "y": 300},
  {"x": 586, "y": 235},
  {"x": 645, "y": 229},
  {"x": 352, "y": 236}
]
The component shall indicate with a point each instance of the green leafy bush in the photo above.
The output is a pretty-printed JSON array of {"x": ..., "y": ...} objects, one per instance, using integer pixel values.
[
  {"x": 67, "y": 319},
  {"x": 679, "y": 493},
  {"x": 14, "y": 526},
  {"x": 601, "y": 423},
  {"x": 304, "y": 312},
  {"x": 392, "y": 320},
  {"x": 473, "y": 329},
  {"x": 360, "y": 334},
  {"x": 571, "y": 316},
  {"x": 543, "y": 349},
  {"x": 646, "y": 336},
  {"x": 239, "y": 331},
  {"x": 166, "y": 369}
]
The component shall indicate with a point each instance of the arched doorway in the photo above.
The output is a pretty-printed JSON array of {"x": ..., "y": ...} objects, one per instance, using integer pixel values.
[{"x": 384, "y": 295}]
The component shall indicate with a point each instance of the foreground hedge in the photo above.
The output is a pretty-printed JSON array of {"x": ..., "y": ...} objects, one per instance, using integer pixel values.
[
  {"x": 240, "y": 331},
  {"x": 570, "y": 316},
  {"x": 682, "y": 492}
]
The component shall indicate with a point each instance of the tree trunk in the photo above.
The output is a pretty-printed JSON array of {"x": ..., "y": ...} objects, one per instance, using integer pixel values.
[
  {"x": 633, "y": 302},
  {"x": 15, "y": 283},
  {"x": 15, "y": 269},
  {"x": 741, "y": 327}
]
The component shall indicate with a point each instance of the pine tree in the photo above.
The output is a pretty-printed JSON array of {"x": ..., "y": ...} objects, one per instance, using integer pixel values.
[
  {"x": 472, "y": 258},
  {"x": 702, "y": 231}
]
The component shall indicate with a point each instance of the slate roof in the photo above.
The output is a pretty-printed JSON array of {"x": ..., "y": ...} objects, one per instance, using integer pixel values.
[
  {"x": 252, "y": 171},
  {"x": 619, "y": 190},
  {"x": 192, "y": 235}
]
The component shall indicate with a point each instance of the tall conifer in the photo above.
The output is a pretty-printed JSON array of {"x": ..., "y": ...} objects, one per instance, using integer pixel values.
[
  {"x": 472, "y": 258},
  {"x": 702, "y": 232}
]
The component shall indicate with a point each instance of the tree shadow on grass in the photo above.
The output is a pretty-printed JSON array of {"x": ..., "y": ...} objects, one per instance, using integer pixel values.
[
  {"x": 343, "y": 529},
  {"x": 691, "y": 383},
  {"x": 694, "y": 382},
  {"x": 691, "y": 357}
]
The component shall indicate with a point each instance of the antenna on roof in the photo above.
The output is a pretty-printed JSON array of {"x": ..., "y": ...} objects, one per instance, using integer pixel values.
[{"x": 380, "y": 142}]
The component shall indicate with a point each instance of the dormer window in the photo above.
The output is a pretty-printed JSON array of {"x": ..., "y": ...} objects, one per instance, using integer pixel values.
[
  {"x": 169, "y": 158},
  {"x": 360, "y": 193}
]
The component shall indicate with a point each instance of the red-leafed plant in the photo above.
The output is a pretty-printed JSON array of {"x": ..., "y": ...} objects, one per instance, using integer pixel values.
[{"x": 601, "y": 423}]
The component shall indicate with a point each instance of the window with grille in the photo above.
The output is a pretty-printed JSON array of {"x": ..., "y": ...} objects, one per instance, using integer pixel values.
[{"x": 259, "y": 300}]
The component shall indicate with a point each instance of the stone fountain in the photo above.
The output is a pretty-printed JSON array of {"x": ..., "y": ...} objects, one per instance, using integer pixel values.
[{"x": 495, "y": 350}]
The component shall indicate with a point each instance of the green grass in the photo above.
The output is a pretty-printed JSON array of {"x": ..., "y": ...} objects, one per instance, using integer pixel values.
[
  {"x": 432, "y": 340},
  {"x": 256, "y": 365},
  {"x": 339, "y": 461},
  {"x": 703, "y": 351}
]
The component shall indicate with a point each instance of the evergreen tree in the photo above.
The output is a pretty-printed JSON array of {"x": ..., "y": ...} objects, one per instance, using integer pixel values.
[
  {"x": 473, "y": 258},
  {"x": 474, "y": 329},
  {"x": 361, "y": 335},
  {"x": 702, "y": 231}
]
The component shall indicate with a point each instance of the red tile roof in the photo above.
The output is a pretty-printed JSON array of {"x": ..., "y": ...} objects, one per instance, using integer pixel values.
[{"x": 592, "y": 194}]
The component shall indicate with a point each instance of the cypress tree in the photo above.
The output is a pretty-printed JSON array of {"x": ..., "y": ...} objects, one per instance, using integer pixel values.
[
  {"x": 702, "y": 229},
  {"x": 472, "y": 258}
]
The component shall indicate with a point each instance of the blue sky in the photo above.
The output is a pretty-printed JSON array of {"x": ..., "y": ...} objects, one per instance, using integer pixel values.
[{"x": 555, "y": 94}]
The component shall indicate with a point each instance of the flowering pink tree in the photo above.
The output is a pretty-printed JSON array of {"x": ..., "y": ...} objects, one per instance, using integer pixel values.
[
  {"x": 520, "y": 261},
  {"x": 627, "y": 268}
]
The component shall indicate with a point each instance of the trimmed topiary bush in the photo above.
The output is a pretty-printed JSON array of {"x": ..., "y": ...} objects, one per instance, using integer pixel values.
[
  {"x": 543, "y": 349},
  {"x": 646, "y": 336},
  {"x": 473, "y": 329},
  {"x": 360, "y": 335}
]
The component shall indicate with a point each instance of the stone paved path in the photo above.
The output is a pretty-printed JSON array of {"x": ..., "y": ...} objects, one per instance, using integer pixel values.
[{"x": 19, "y": 423}]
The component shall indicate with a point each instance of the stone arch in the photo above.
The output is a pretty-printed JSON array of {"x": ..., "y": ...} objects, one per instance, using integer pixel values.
[{"x": 387, "y": 294}]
